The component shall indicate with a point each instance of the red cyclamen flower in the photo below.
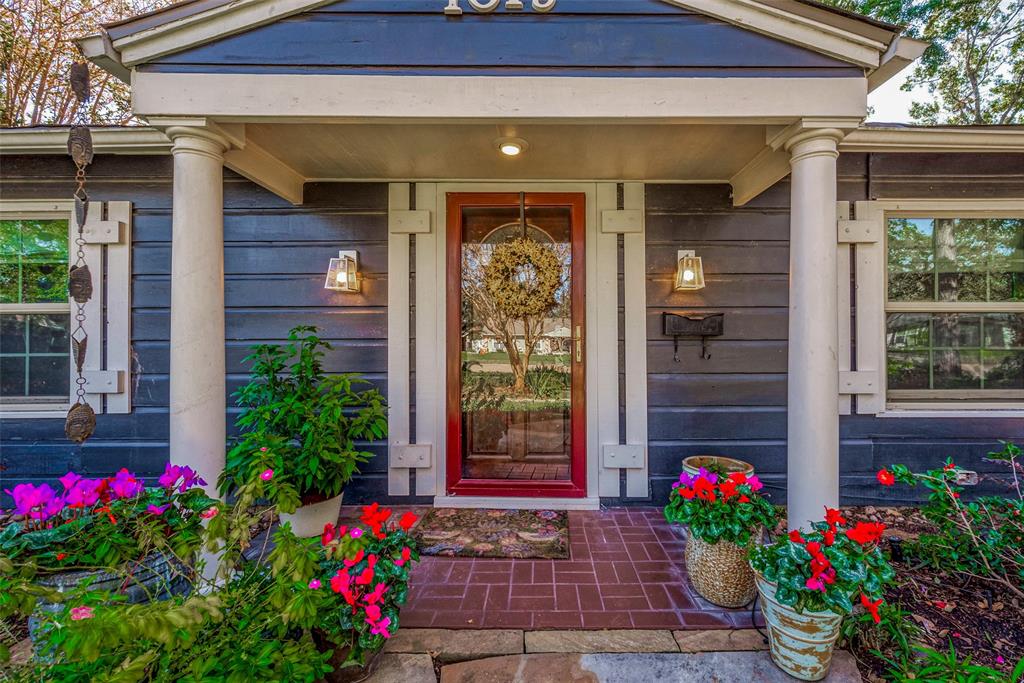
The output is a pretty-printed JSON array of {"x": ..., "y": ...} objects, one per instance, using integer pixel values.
[
  {"x": 885, "y": 477},
  {"x": 871, "y": 606}
]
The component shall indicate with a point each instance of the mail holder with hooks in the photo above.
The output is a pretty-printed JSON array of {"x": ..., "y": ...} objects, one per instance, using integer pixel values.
[{"x": 690, "y": 326}]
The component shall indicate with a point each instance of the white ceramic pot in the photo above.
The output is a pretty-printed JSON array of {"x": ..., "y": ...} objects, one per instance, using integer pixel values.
[{"x": 309, "y": 520}]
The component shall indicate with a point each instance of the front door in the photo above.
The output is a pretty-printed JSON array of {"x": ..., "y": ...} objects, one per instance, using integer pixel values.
[{"x": 515, "y": 328}]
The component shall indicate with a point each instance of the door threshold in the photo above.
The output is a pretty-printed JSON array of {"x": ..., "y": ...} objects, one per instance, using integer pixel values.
[{"x": 514, "y": 503}]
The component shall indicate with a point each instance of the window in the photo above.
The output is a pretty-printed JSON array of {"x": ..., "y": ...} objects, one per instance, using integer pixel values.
[
  {"x": 35, "y": 315},
  {"x": 954, "y": 312}
]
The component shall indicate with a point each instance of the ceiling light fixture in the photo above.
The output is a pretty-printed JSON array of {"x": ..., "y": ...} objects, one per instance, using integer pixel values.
[{"x": 511, "y": 147}]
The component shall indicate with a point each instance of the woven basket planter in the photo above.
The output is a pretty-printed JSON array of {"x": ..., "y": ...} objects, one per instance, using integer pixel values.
[{"x": 720, "y": 572}]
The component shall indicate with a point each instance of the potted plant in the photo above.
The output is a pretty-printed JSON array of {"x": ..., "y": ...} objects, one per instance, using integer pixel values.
[
  {"x": 114, "y": 534},
  {"x": 717, "y": 464},
  {"x": 810, "y": 581},
  {"x": 724, "y": 515},
  {"x": 300, "y": 430}
]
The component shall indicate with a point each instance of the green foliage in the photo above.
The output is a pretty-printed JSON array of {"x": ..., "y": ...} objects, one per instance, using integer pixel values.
[
  {"x": 736, "y": 514},
  {"x": 302, "y": 424},
  {"x": 983, "y": 537},
  {"x": 860, "y": 568},
  {"x": 974, "y": 66},
  {"x": 932, "y": 666}
]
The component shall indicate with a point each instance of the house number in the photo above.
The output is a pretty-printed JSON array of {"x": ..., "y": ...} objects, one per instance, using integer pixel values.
[{"x": 486, "y": 6}]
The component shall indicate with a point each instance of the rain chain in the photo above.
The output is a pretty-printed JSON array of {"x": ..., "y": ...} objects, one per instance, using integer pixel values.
[{"x": 81, "y": 419}]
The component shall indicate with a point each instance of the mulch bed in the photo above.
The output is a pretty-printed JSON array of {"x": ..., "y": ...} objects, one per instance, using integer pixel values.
[
  {"x": 978, "y": 617},
  {"x": 520, "y": 534}
]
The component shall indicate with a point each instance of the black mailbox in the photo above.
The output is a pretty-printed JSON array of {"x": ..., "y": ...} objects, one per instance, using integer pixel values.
[{"x": 703, "y": 326}]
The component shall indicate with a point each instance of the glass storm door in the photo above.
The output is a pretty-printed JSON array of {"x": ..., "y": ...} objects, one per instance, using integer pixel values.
[{"x": 516, "y": 351}]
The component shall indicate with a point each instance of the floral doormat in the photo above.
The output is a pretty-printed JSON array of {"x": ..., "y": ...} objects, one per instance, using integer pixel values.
[{"x": 520, "y": 534}]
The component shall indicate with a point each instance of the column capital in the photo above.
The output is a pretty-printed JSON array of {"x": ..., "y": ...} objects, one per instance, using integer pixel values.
[
  {"x": 814, "y": 143},
  {"x": 197, "y": 140}
]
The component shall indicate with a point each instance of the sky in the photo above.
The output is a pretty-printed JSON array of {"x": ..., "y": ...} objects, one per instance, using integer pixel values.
[{"x": 891, "y": 104}]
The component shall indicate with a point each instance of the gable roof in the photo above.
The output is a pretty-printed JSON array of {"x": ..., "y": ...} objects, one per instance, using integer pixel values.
[{"x": 875, "y": 46}]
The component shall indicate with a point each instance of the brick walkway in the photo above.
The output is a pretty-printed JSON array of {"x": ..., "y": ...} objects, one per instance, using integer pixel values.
[{"x": 626, "y": 570}]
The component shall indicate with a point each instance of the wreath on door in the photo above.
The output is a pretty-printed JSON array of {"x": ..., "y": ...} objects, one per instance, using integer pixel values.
[{"x": 522, "y": 277}]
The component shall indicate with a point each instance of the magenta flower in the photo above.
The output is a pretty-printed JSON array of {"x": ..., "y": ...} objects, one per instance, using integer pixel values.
[
  {"x": 376, "y": 594},
  {"x": 710, "y": 476},
  {"x": 315, "y": 584},
  {"x": 190, "y": 478},
  {"x": 35, "y": 502},
  {"x": 85, "y": 493},
  {"x": 79, "y": 613},
  {"x": 267, "y": 474},
  {"x": 356, "y": 532},
  {"x": 263, "y": 449},
  {"x": 69, "y": 480},
  {"x": 380, "y": 628},
  {"x": 157, "y": 509},
  {"x": 170, "y": 476},
  {"x": 816, "y": 584},
  {"x": 754, "y": 483},
  {"x": 124, "y": 484}
]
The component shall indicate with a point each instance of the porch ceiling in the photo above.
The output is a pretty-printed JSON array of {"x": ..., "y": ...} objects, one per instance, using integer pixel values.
[{"x": 335, "y": 151}]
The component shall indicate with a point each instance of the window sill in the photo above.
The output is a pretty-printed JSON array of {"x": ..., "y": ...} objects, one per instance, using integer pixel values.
[
  {"x": 24, "y": 411},
  {"x": 925, "y": 410}
]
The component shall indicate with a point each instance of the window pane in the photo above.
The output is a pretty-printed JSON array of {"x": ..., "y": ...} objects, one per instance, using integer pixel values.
[
  {"x": 12, "y": 376},
  {"x": 12, "y": 334},
  {"x": 956, "y": 259},
  {"x": 49, "y": 334},
  {"x": 33, "y": 261},
  {"x": 955, "y": 351},
  {"x": 48, "y": 375}
]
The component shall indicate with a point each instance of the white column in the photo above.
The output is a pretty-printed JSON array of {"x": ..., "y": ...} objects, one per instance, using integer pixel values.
[
  {"x": 198, "y": 388},
  {"x": 813, "y": 408}
]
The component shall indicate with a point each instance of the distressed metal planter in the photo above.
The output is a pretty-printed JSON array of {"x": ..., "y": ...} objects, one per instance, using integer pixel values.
[
  {"x": 692, "y": 464},
  {"x": 801, "y": 643},
  {"x": 720, "y": 572},
  {"x": 156, "y": 577},
  {"x": 308, "y": 520}
]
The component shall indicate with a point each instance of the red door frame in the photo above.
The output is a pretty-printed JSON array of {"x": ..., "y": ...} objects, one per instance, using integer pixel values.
[{"x": 576, "y": 486}]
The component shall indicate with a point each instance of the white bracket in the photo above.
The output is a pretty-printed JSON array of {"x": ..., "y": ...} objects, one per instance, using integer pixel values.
[
  {"x": 623, "y": 456},
  {"x": 104, "y": 381},
  {"x": 408, "y": 221},
  {"x": 622, "y": 221},
  {"x": 103, "y": 232},
  {"x": 858, "y": 382},
  {"x": 858, "y": 232},
  {"x": 410, "y": 455}
]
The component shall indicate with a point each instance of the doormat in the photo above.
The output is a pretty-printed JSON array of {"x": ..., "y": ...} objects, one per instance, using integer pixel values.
[{"x": 519, "y": 534}]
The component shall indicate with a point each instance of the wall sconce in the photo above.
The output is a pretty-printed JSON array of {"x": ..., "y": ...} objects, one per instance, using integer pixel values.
[
  {"x": 689, "y": 271},
  {"x": 343, "y": 273}
]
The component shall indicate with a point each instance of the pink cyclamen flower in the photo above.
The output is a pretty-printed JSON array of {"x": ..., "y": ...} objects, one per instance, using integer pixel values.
[
  {"x": 190, "y": 478},
  {"x": 124, "y": 484},
  {"x": 36, "y": 502},
  {"x": 754, "y": 483},
  {"x": 84, "y": 493},
  {"x": 380, "y": 628},
  {"x": 263, "y": 449},
  {"x": 170, "y": 476},
  {"x": 315, "y": 584},
  {"x": 267, "y": 474},
  {"x": 79, "y": 613},
  {"x": 210, "y": 512},
  {"x": 157, "y": 509},
  {"x": 69, "y": 480},
  {"x": 356, "y": 532}
]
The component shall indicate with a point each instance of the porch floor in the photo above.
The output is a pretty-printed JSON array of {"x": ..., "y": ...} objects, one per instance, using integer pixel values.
[{"x": 626, "y": 570}]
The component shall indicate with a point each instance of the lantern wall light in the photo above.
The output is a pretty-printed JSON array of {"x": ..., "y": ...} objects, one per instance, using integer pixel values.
[
  {"x": 343, "y": 273},
  {"x": 689, "y": 271}
]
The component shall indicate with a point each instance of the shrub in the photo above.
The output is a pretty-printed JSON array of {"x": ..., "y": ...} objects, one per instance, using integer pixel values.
[
  {"x": 829, "y": 567},
  {"x": 720, "y": 508},
  {"x": 983, "y": 538},
  {"x": 300, "y": 424}
]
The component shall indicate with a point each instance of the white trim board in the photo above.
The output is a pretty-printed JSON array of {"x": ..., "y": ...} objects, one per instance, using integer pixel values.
[
  {"x": 342, "y": 97},
  {"x": 517, "y": 503}
]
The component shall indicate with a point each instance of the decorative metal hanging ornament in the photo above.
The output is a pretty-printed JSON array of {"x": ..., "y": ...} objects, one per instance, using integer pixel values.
[{"x": 81, "y": 419}]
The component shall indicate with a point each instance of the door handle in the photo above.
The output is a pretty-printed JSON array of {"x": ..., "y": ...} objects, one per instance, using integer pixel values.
[{"x": 579, "y": 344}]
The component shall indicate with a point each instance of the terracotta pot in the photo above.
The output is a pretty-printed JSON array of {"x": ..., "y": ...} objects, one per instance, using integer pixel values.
[
  {"x": 801, "y": 643},
  {"x": 719, "y": 572},
  {"x": 156, "y": 577},
  {"x": 692, "y": 464},
  {"x": 309, "y": 520}
]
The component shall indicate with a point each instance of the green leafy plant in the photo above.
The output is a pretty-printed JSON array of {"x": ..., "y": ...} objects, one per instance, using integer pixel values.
[
  {"x": 983, "y": 538},
  {"x": 934, "y": 666},
  {"x": 302, "y": 425},
  {"x": 720, "y": 508},
  {"x": 828, "y": 567}
]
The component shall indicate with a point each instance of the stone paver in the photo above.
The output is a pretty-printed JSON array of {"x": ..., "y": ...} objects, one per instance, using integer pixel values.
[
  {"x": 722, "y": 667},
  {"x": 456, "y": 646},
  {"x": 626, "y": 571},
  {"x": 719, "y": 640},
  {"x": 402, "y": 668},
  {"x": 600, "y": 641}
]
